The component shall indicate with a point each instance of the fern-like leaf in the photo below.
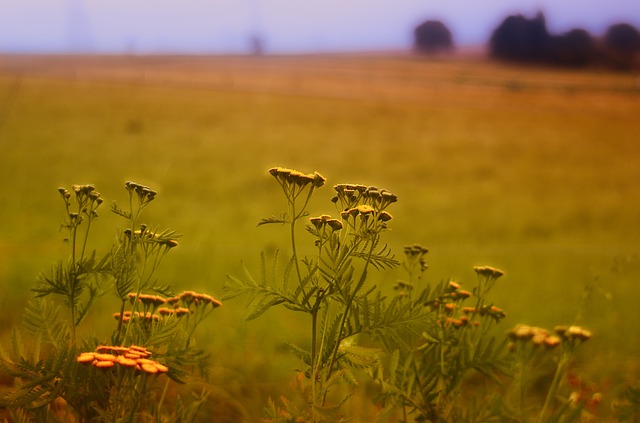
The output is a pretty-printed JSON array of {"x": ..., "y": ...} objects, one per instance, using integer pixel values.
[
  {"x": 41, "y": 319},
  {"x": 302, "y": 354},
  {"x": 272, "y": 219}
]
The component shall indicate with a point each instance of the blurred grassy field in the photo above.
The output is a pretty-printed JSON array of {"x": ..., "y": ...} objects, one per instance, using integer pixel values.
[{"x": 532, "y": 170}]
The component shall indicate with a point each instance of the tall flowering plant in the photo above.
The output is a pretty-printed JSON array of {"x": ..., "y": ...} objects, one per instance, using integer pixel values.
[
  {"x": 69, "y": 375},
  {"x": 331, "y": 286}
]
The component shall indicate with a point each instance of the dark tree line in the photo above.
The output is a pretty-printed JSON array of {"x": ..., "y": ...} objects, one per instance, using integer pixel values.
[{"x": 523, "y": 39}]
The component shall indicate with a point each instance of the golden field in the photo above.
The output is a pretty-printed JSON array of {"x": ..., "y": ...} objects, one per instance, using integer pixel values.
[{"x": 532, "y": 170}]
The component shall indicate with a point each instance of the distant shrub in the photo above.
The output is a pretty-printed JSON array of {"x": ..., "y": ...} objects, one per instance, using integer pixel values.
[
  {"x": 573, "y": 48},
  {"x": 521, "y": 39},
  {"x": 622, "y": 44},
  {"x": 432, "y": 36}
]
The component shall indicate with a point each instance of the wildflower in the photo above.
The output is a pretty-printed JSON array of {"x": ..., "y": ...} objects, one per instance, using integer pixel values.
[
  {"x": 318, "y": 180},
  {"x": 181, "y": 311},
  {"x": 148, "y": 367},
  {"x": 496, "y": 312},
  {"x": 453, "y": 286},
  {"x": 161, "y": 368},
  {"x": 449, "y": 307},
  {"x": 334, "y": 224},
  {"x": 389, "y": 197},
  {"x": 463, "y": 293},
  {"x": 384, "y": 216},
  {"x": 85, "y": 358},
  {"x": 577, "y": 332},
  {"x": 488, "y": 271},
  {"x": 126, "y": 316},
  {"x": 171, "y": 243},
  {"x": 289, "y": 176},
  {"x": 126, "y": 361},
  {"x": 173, "y": 300},
  {"x": 521, "y": 332},
  {"x": 103, "y": 364},
  {"x": 164, "y": 311},
  {"x": 147, "y": 299},
  {"x": 131, "y": 357},
  {"x": 415, "y": 250},
  {"x": 111, "y": 348},
  {"x": 456, "y": 323},
  {"x": 105, "y": 357},
  {"x": 551, "y": 341},
  {"x": 539, "y": 337}
]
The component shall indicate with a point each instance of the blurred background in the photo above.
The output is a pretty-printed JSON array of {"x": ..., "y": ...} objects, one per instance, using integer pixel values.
[
  {"x": 508, "y": 129},
  {"x": 282, "y": 26}
]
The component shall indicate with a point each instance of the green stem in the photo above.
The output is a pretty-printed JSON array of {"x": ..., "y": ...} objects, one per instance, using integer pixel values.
[
  {"x": 553, "y": 389},
  {"x": 293, "y": 240},
  {"x": 345, "y": 315},
  {"x": 521, "y": 377},
  {"x": 74, "y": 279}
]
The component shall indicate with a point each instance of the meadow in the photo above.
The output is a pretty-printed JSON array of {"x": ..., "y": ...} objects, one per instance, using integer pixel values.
[{"x": 532, "y": 170}]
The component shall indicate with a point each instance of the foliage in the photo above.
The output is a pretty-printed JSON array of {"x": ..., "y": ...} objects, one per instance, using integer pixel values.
[
  {"x": 521, "y": 39},
  {"x": 432, "y": 36},
  {"x": 622, "y": 41},
  {"x": 331, "y": 287},
  {"x": 118, "y": 378},
  {"x": 425, "y": 347},
  {"x": 518, "y": 38}
]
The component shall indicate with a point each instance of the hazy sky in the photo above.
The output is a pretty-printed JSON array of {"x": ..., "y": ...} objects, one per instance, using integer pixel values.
[{"x": 223, "y": 26}]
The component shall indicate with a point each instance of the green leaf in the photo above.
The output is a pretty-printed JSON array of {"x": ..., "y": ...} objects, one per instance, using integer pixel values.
[
  {"x": 303, "y": 355},
  {"x": 119, "y": 211},
  {"x": 41, "y": 319},
  {"x": 272, "y": 219}
]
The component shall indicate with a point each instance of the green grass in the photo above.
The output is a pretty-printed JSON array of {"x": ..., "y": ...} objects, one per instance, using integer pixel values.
[{"x": 534, "y": 171}]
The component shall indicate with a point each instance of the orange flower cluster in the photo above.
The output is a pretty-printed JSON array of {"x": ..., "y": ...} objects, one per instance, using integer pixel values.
[
  {"x": 126, "y": 316},
  {"x": 189, "y": 298},
  {"x": 133, "y": 357},
  {"x": 151, "y": 302},
  {"x": 290, "y": 176},
  {"x": 146, "y": 299}
]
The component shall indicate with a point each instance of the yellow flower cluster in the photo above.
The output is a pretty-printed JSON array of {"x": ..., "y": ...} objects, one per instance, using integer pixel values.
[
  {"x": 488, "y": 271},
  {"x": 133, "y": 357},
  {"x": 541, "y": 336},
  {"x": 290, "y": 176},
  {"x": 351, "y": 195},
  {"x": 145, "y": 194},
  {"x": 152, "y": 237},
  {"x": 415, "y": 250},
  {"x": 324, "y": 220}
]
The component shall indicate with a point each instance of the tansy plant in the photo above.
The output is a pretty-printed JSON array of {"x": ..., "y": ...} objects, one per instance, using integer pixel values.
[
  {"x": 329, "y": 283},
  {"x": 118, "y": 377}
]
